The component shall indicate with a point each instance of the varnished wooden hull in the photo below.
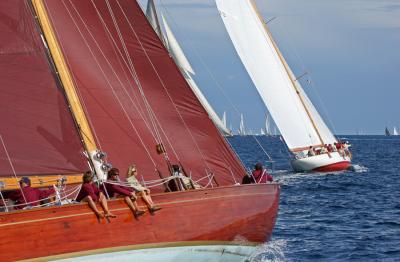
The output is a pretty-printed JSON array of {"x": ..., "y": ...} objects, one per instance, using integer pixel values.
[{"x": 210, "y": 215}]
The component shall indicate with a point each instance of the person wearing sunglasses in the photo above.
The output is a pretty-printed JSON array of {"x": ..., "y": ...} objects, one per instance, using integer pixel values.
[{"x": 114, "y": 189}]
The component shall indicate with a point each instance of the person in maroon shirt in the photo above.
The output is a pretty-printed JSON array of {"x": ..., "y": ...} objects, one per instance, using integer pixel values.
[
  {"x": 91, "y": 194},
  {"x": 112, "y": 189},
  {"x": 260, "y": 175},
  {"x": 28, "y": 196}
]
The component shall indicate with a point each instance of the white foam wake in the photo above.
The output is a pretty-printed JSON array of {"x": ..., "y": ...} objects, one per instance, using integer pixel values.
[{"x": 272, "y": 251}]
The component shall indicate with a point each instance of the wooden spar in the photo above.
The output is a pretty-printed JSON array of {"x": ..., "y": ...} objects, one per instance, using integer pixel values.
[
  {"x": 11, "y": 183},
  {"x": 65, "y": 76},
  {"x": 287, "y": 70},
  {"x": 299, "y": 149}
]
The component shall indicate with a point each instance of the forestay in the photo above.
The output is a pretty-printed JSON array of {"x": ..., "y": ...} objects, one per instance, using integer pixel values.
[{"x": 296, "y": 117}]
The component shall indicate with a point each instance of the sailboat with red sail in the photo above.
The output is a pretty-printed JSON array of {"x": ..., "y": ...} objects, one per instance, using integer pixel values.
[{"x": 80, "y": 78}]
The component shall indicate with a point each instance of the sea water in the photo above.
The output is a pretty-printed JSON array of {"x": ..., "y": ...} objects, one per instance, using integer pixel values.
[{"x": 343, "y": 216}]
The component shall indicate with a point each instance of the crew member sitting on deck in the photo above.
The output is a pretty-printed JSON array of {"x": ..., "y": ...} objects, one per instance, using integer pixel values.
[
  {"x": 142, "y": 191},
  {"x": 91, "y": 194},
  {"x": 311, "y": 151},
  {"x": 28, "y": 196},
  {"x": 113, "y": 189},
  {"x": 323, "y": 149}
]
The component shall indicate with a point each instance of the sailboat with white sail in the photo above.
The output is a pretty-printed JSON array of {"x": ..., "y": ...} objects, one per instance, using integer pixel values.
[
  {"x": 395, "y": 133},
  {"x": 177, "y": 53},
  {"x": 387, "y": 132},
  {"x": 268, "y": 131},
  {"x": 296, "y": 117},
  {"x": 242, "y": 129}
]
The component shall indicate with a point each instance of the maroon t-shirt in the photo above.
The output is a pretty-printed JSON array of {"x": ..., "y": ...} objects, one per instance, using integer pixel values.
[
  {"x": 262, "y": 176},
  {"x": 113, "y": 189},
  {"x": 89, "y": 189},
  {"x": 32, "y": 196}
]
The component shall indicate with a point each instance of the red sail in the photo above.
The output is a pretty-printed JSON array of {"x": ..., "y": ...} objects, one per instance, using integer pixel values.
[
  {"x": 134, "y": 95},
  {"x": 37, "y": 131}
]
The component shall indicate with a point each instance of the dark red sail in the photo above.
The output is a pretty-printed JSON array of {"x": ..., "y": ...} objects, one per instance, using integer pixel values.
[
  {"x": 134, "y": 95},
  {"x": 38, "y": 135}
]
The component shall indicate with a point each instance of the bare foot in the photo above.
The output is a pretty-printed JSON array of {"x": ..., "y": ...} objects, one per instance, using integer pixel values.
[
  {"x": 100, "y": 215},
  {"x": 109, "y": 214}
]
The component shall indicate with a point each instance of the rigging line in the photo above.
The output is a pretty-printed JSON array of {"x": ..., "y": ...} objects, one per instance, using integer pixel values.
[
  {"x": 294, "y": 50},
  {"x": 265, "y": 152},
  {"x": 234, "y": 151},
  {"x": 4, "y": 201},
  {"x": 132, "y": 70},
  {"x": 106, "y": 78},
  {"x": 166, "y": 156},
  {"x": 12, "y": 166},
  {"x": 163, "y": 84},
  {"x": 195, "y": 51},
  {"x": 115, "y": 47},
  {"x": 148, "y": 107}
]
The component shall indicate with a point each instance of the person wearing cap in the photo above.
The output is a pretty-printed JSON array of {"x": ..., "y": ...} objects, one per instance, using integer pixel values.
[
  {"x": 142, "y": 191},
  {"x": 28, "y": 196},
  {"x": 112, "y": 189},
  {"x": 91, "y": 194}
]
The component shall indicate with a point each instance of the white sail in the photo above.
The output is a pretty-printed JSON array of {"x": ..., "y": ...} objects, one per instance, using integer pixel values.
[
  {"x": 296, "y": 117},
  {"x": 262, "y": 132},
  {"x": 395, "y": 131},
  {"x": 175, "y": 48},
  {"x": 180, "y": 59},
  {"x": 151, "y": 15},
  {"x": 224, "y": 119}
]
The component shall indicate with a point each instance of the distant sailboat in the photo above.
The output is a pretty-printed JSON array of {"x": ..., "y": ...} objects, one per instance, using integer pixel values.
[
  {"x": 268, "y": 130},
  {"x": 177, "y": 53},
  {"x": 387, "y": 132},
  {"x": 242, "y": 130},
  {"x": 296, "y": 117},
  {"x": 395, "y": 131}
]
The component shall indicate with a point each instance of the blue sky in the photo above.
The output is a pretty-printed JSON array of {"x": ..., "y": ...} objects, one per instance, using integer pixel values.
[{"x": 350, "y": 49}]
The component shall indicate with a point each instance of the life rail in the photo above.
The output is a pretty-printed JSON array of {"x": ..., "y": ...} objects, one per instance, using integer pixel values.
[
  {"x": 67, "y": 196},
  {"x": 53, "y": 199}
]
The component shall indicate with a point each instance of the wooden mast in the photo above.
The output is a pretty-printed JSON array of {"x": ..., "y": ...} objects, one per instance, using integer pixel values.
[
  {"x": 65, "y": 75},
  {"x": 69, "y": 86},
  {"x": 287, "y": 70}
]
